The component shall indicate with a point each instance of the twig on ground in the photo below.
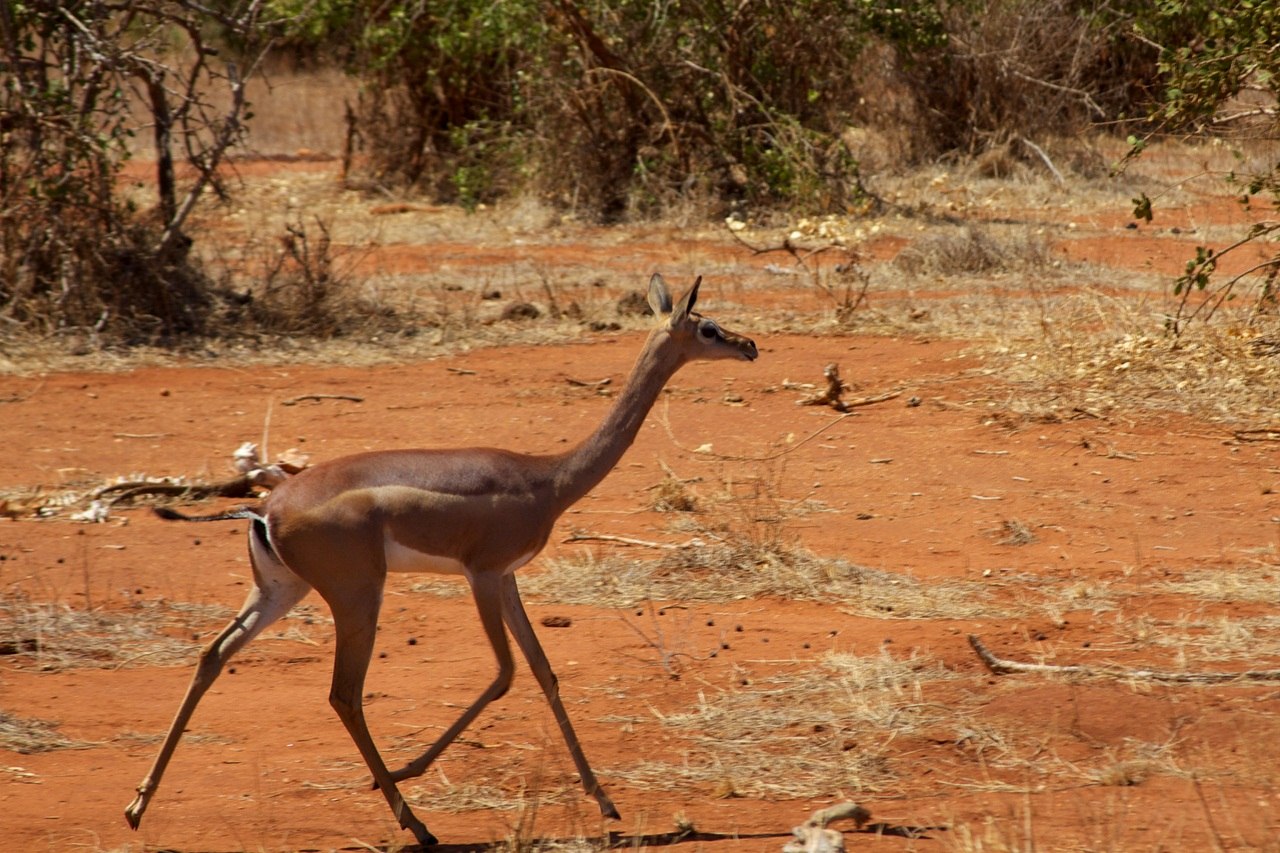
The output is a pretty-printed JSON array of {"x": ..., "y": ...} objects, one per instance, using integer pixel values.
[
  {"x": 626, "y": 540},
  {"x": 800, "y": 253},
  {"x": 725, "y": 457},
  {"x": 1000, "y": 666},
  {"x": 296, "y": 400},
  {"x": 1261, "y": 434},
  {"x": 833, "y": 396},
  {"x": 834, "y": 393},
  {"x": 658, "y": 642},
  {"x": 21, "y": 398},
  {"x": 236, "y": 487}
]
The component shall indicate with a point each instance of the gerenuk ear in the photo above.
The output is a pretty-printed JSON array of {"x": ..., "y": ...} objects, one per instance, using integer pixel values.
[
  {"x": 686, "y": 303},
  {"x": 659, "y": 296}
]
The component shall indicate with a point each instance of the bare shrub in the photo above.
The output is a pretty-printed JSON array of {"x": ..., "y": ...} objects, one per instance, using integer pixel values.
[
  {"x": 307, "y": 287},
  {"x": 74, "y": 255},
  {"x": 1018, "y": 70}
]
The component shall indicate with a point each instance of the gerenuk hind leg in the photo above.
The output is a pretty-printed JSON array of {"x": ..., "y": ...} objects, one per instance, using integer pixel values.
[{"x": 276, "y": 590}]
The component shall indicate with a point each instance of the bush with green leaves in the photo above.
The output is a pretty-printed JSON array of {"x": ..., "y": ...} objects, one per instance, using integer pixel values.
[
  {"x": 625, "y": 108},
  {"x": 617, "y": 108},
  {"x": 1219, "y": 65}
]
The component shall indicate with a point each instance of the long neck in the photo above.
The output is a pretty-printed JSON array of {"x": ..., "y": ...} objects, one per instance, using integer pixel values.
[{"x": 584, "y": 466}]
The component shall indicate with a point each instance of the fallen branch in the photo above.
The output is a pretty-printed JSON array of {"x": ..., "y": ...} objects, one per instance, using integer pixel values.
[
  {"x": 833, "y": 396},
  {"x": 878, "y": 398},
  {"x": 626, "y": 540},
  {"x": 707, "y": 454},
  {"x": 1057, "y": 176},
  {"x": 296, "y": 400},
  {"x": 799, "y": 253},
  {"x": 1000, "y": 666},
  {"x": 1263, "y": 434},
  {"x": 237, "y": 487}
]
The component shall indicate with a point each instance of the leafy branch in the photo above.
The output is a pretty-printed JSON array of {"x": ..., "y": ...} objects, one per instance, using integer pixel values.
[
  {"x": 1199, "y": 276},
  {"x": 1209, "y": 57}
]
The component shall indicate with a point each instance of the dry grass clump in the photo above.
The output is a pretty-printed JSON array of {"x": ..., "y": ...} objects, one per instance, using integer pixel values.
[
  {"x": 470, "y": 796},
  {"x": 749, "y": 571},
  {"x": 974, "y": 250},
  {"x": 1257, "y": 584},
  {"x": 673, "y": 495},
  {"x": 1204, "y": 641},
  {"x": 1123, "y": 360},
  {"x": 735, "y": 569},
  {"x": 1204, "y": 638},
  {"x": 26, "y": 736},
  {"x": 799, "y": 734},
  {"x": 51, "y": 636}
]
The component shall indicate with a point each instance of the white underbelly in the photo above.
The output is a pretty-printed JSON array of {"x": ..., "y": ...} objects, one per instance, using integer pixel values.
[{"x": 402, "y": 558}]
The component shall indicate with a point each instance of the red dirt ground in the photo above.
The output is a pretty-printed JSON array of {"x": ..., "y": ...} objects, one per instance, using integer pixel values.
[{"x": 923, "y": 490}]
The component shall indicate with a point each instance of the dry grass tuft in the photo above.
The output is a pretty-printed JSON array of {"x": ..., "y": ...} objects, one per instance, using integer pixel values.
[
  {"x": 1121, "y": 361},
  {"x": 800, "y": 734},
  {"x": 1247, "y": 583},
  {"x": 1015, "y": 532},
  {"x": 53, "y": 637},
  {"x": 673, "y": 495},
  {"x": 470, "y": 796},
  {"x": 26, "y": 736},
  {"x": 1205, "y": 642},
  {"x": 735, "y": 569},
  {"x": 974, "y": 250}
]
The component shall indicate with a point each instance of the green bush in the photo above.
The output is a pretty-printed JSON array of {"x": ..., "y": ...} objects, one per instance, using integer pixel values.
[
  {"x": 1220, "y": 70},
  {"x": 625, "y": 108}
]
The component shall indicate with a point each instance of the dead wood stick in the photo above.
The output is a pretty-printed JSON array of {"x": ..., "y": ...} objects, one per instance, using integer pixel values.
[
  {"x": 296, "y": 400},
  {"x": 237, "y": 487},
  {"x": 700, "y": 454},
  {"x": 833, "y": 396},
  {"x": 1001, "y": 666},
  {"x": 1264, "y": 434},
  {"x": 878, "y": 398},
  {"x": 623, "y": 540},
  {"x": 588, "y": 383}
]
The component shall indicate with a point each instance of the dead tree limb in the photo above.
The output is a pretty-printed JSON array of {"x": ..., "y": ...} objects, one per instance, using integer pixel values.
[
  {"x": 293, "y": 401},
  {"x": 1262, "y": 434},
  {"x": 801, "y": 254},
  {"x": 623, "y": 540},
  {"x": 236, "y": 487},
  {"x": 1000, "y": 666},
  {"x": 833, "y": 395}
]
